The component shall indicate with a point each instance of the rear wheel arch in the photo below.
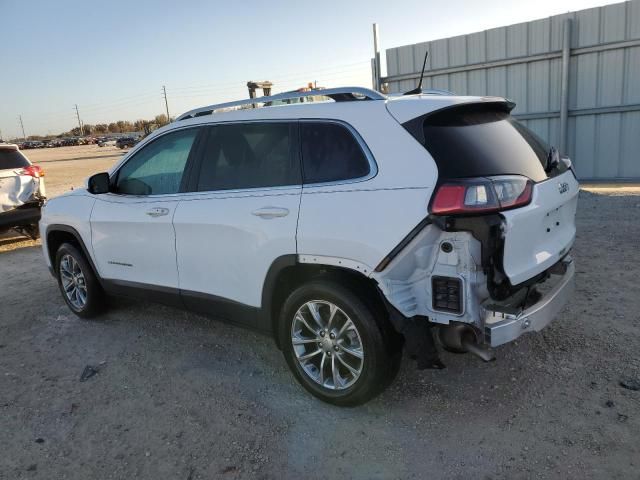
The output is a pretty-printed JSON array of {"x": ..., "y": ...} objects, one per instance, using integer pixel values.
[{"x": 285, "y": 275}]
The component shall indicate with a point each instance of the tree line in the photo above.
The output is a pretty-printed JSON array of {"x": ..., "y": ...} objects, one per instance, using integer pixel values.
[{"x": 120, "y": 126}]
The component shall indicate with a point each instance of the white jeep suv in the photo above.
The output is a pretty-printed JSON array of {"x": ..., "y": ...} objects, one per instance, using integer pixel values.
[{"x": 348, "y": 229}]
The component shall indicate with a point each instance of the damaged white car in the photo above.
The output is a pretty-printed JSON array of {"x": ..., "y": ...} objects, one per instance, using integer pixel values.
[
  {"x": 350, "y": 230},
  {"x": 22, "y": 192}
]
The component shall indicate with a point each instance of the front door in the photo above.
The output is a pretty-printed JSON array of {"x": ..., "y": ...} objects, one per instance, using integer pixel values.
[{"x": 131, "y": 227}]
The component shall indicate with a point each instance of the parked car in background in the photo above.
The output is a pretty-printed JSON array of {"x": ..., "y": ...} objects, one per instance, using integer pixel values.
[
  {"x": 70, "y": 142},
  {"x": 106, "y": 142},
  {"x": 32, "y": 144},
  {"x": 348, "y": 230},
  {"x": 126, "y": 142},
  {"x": 22, "y": 192}
]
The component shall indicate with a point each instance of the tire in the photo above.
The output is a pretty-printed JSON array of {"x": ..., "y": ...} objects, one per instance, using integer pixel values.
[
  {"x": 69, "y": 259},
  {"x": 367, "y": 376}
]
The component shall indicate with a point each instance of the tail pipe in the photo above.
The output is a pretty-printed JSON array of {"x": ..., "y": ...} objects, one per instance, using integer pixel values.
[{"x": 462, "y": 338}]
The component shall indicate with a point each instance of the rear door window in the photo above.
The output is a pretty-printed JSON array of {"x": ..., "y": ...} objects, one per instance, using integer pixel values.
[
  {"x": 250, "y": 155},
  {"x": 12, "y": 159},
  {"x": 330, "y": 153},
  {"x": 481, "y": 140}
]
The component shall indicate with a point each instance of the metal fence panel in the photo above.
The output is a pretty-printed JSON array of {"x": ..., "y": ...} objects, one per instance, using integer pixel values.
[{"x": 524, "y": 63}]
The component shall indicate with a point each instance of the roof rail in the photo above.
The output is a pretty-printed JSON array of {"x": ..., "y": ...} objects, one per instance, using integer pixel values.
[{"x": 341, "y": 94}]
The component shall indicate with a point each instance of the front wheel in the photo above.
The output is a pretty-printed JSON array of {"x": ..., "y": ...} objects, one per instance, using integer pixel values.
[
  {"x": 334, "y": 345},
  {"x": 78, "y": 284}
]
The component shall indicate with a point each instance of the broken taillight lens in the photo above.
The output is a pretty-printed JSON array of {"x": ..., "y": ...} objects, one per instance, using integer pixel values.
[
  {"x": 33, "y": 171},
  {"x": 482, "y": 195}
]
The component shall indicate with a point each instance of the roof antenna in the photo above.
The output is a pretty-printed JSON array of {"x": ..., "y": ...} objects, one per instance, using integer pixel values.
[{"x": 418, "y": 89}]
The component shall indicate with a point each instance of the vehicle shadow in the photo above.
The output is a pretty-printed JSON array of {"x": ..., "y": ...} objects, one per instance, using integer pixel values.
[{"x": 11, "y": 241}]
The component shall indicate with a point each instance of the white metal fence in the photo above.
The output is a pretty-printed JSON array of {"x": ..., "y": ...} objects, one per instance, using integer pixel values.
[{"x": 587, "y": 102}]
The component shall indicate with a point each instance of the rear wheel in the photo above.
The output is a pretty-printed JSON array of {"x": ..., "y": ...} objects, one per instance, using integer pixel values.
[
  {"x": 78, "y": 284},
  {"x": 334, "y": 345}
]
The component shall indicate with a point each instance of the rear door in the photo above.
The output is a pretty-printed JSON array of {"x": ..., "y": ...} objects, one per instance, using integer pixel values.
[
  {"x": 131, "y": 227},
  {"x": 242, "y": 216}
]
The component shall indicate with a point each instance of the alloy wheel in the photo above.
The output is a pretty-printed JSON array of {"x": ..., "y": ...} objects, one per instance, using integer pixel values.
[
  {"x": 73, "y": 282},
  {"x": 327, "y": 345}
]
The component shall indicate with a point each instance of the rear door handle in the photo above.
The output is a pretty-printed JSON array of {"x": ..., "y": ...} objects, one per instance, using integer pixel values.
[
  {"x": 158, "y": 212},
  {"x": 270, "y": 212}
]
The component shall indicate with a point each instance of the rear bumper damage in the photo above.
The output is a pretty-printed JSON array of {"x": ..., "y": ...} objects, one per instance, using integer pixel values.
[
  {"x": 488, "y": 313},
  {"x": 27, "y": 214},
  {"x": 502, "y": 323}
]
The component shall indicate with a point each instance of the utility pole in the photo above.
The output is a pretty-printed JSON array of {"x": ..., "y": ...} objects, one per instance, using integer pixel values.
[
  {"x": 166, "y": 103},
  {"x": 24, "y": 137},
  {"x": 79, "y": 121}
]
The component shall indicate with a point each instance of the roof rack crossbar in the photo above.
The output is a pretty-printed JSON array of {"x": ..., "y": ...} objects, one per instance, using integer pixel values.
[{"x": 341, "y": 94}]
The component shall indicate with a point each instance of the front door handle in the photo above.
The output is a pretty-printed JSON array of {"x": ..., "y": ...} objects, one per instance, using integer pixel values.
[
  {"x": 158, "y": 212},
  {"x": 270, "y": 212}
]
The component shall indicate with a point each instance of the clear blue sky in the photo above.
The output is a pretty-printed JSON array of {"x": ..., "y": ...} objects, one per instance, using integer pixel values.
[{"x": 112, "y": 58}]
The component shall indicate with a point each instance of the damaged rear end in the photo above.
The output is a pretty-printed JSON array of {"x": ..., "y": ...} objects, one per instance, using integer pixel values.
[
  {"x": 491, "y": 261},
  {"x": 22, "y": 191}
]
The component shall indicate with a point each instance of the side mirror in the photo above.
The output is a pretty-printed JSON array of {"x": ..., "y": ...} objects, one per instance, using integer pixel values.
[{"x": 98, "y": 183}]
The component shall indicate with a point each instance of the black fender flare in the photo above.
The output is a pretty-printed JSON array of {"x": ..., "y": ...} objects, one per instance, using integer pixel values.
[{"x": 55, "y": 227}]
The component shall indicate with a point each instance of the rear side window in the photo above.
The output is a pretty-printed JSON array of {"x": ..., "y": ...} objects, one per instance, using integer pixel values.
[
  {"x": 12, "y": 159},
  {"x": 158, "y": 167},
  {"x": 481, "y": 140},
  {"x": 330, "y": 153},
  {"x": 249, "y": 155}
]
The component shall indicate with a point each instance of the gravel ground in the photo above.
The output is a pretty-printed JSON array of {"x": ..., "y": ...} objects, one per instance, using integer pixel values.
[{"x": 180, "y": 396}]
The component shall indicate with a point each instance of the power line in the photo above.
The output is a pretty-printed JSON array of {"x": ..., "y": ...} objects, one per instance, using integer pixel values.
[
  {"x": 298, "y": 74},
  {"x": 326, "y": 75}
]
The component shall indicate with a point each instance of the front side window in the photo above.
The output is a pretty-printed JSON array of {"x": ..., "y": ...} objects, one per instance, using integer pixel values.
[
  {"x": 249, "y": 155},
  {"x": 330, "y": 153},
  {"x": 158, "y": 167}
]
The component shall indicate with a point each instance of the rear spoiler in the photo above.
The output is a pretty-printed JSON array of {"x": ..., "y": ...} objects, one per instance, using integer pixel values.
[{"x": 414, "y": 126}]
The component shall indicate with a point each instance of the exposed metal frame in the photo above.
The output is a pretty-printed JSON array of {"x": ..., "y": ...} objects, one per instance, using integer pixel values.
[{"x": 341, "y": 94}]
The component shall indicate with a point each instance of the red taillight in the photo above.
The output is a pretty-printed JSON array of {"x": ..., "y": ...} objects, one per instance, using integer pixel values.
[
  {"x": 482, "y": 195},
  {"x": 33, "y": 171}
]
